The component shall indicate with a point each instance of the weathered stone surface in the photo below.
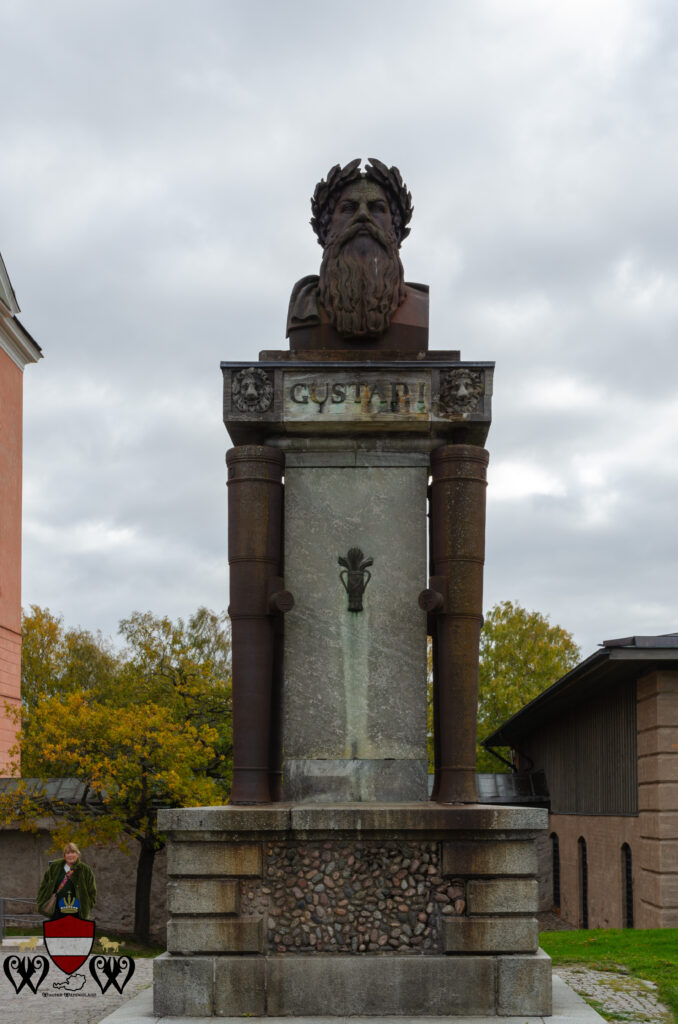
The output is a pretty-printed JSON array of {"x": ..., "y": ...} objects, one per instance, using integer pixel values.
[
  {"x": 502, "y": 896},
  {"x": 223, "y": 819},
  {"x": 239, "y": 986},
  {"x": 216, "y": 824},
  {"x": 325, "y": 399},
  {"x": 524, "y": 985},
  {"x": 323, "y": 779},
  {"x": 490, "y": 857},
  {"x": 203, "y": 896},
  {"x": 480, "y": 819},
  {"x": 350, "y": 457},
  {"x": 381, "y": 986},
  {"x": 333, "y": 399},
  {"x": 239, "y": 859},
  {"x": 374, "y": 896},
  {"x": 214, "y": 935},
  {"x": 490, "y": 935},
  {"x": 183, "y": 986},
  {"x": 340, "y": 666}
]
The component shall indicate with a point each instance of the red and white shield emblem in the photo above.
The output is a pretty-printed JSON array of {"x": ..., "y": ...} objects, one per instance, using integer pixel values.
[{"x": 68, "y": 941}]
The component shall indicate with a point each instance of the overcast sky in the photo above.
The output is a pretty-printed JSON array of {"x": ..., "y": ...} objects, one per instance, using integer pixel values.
[{"x": 156, "y": 164}]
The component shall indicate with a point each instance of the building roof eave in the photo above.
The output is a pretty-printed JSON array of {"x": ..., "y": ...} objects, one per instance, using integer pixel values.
[{"x": 609, "y": 666}]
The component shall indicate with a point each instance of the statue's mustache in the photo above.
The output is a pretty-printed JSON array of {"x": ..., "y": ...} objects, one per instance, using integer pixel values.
[{"x": 362, "y": 225}]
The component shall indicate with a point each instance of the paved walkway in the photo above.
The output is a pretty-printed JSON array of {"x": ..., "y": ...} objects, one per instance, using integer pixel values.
[
  {"x": 83, "y": 1004},
  {"x": 633, "y": 1000}
]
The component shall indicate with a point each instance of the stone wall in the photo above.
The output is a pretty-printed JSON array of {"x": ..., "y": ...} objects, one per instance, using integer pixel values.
[
  {"x": 23, "y": 861},
  {"x": 353, "y": 898}
]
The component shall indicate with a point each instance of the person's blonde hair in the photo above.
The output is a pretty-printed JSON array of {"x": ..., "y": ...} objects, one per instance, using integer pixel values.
[{"x": 71, "y": 848}]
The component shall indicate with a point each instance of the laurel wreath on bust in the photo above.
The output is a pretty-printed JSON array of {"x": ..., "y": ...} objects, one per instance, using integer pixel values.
[{"x": 327, "y": 193}]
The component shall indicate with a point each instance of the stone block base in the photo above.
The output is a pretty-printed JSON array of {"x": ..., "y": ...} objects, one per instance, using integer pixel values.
[
  {"x": 352, "y": 910},
  {"x": 345, "y": 986}
]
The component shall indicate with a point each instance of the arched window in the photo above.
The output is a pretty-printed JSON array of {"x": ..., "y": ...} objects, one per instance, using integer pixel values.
[
  {"x": 583, "y": 885},
  {"x": 627, "y": 886},
  {"x": 555, "y": 865}
]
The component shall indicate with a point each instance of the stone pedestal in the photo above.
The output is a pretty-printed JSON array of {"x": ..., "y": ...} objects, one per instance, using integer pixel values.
[{"x": 352, "y": 909}]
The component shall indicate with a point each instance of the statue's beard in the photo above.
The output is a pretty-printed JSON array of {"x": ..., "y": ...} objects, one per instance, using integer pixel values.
[{"x": 361, "y": 292}]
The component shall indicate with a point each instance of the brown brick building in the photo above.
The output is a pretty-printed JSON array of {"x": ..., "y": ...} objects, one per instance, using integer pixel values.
[
  {"x": 606, "y": 738},
  {"x": 17, "y": 348}
]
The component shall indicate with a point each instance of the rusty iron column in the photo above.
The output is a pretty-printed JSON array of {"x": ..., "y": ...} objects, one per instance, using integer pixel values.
[
  {"x": 455, "y": 598},
  {"x": 256, "y": 595}
]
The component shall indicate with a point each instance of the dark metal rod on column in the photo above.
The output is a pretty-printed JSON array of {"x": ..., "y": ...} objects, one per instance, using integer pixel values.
[
  {"x": 254, "y": 555},
  {"x": 458, "y": 543}
]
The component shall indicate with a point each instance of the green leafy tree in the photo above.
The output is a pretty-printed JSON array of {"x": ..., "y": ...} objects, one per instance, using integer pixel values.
[
  {"x": 145, "y": 728},
  {"x": 521, "y": 654}
]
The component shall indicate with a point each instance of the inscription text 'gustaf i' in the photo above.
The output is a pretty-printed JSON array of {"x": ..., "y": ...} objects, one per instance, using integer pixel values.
[{"x": 358, "y": 396}]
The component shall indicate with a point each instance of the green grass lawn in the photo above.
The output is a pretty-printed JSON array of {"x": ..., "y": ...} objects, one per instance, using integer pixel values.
[{"x": 650, "y": 954}]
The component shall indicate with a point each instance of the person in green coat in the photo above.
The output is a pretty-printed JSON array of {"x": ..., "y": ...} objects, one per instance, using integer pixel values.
[{"x": 68, "y": 888}]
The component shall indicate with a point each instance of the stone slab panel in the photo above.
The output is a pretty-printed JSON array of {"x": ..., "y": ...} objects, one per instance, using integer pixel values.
[
  {"x": 323, "y": 779},
  {"x": 490, "y": 857},
  {"x": 490, "y": 935},
  {"x": 659, "y": 824},
  {"x": 239, "y": 859},
  {"x": 340, "y": 666},
  {"x": 659, "y": 889},
  {"x": 659, "y": 710},
  {"x": 212, "y": 822},
  {"x": 411, "y": 818},
  {"x": 657, "y": 741},
  {"x": 239, "y": 986},
  {"x": 353, "y": 457},
  {"x": 524, "y": 985},
  {"x": 334, "y": 400},
  {"x": 659, "y": 767},
  {"x": 379, "y": 986},
  {"x": 659, "y": 854},
  {"x": 214, "y": 935},
  {"x": 183, "y": 986},
  {"x": 657, "y": 683},
  {"x": 502, "y": 896},
  {"x": 203, "y": 896},
  {"x": 658, "y": 796}
]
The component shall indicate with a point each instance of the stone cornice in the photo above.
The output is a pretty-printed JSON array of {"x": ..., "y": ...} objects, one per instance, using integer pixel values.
[{"x": 17, "y": 342}]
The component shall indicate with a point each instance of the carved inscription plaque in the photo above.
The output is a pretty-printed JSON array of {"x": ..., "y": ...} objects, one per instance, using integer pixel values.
[{"x": 353, "y": 396}]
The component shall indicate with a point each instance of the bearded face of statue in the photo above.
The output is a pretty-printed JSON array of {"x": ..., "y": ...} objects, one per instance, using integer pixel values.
[{"x": 361, "y": 276}]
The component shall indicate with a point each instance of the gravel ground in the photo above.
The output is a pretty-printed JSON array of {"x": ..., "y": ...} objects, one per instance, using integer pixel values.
[
  {"x": 51, "y": 1005},
  {"x": 617, "y": 994}
]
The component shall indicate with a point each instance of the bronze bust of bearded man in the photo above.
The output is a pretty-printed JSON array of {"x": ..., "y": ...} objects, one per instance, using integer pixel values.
[{"x": 360, "y": 299}]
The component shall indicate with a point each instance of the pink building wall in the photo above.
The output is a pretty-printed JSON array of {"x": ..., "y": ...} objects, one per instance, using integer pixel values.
[
  {"x": 17, "y": 349},
  {"x": 11, "y": 417}
]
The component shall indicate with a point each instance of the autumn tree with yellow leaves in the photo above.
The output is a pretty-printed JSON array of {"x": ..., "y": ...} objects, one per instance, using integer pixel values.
[
  {"x": 146, "y": 727},
  {"x": 521, "y": 654}
]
